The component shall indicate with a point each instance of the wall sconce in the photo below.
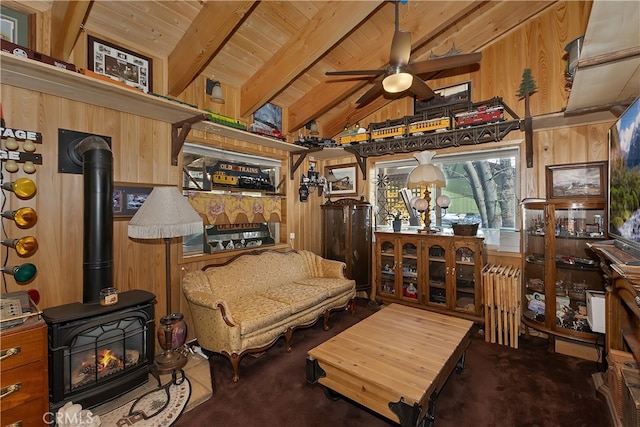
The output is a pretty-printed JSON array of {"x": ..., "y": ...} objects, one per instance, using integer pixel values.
[
  {"x": 312, "y": 127},
  {"x": 21, "y": 273},
  {"x": 214, "y": 90},
  {"x": 24, "y": 188},
  {"x": 24, "y": 217},
  {"x": 25, "y": 246}
]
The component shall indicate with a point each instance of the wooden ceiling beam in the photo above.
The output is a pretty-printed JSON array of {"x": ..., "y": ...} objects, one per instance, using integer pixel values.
[
  {"x": 67, "y": 18},
  {"x": 203, "y": 39},
  {"x": 329, "y": 25}
]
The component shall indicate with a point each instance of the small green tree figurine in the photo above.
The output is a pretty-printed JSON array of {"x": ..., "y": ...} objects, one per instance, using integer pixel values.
[{"x": 527, "y": 87}]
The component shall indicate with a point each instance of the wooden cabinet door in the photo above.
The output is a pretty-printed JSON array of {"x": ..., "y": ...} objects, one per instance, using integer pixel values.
[
  {"x": 387, "y": 264},
  {"x": 409, "y": 271},
  {"x": 436, "y": 272}
]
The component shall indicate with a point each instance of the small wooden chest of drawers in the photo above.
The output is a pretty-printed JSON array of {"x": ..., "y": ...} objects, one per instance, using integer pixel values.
[{"x": 24, "y": 387}]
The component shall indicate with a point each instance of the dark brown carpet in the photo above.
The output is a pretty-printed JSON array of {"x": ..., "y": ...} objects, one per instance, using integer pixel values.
[{"x": 499, "y": 386}]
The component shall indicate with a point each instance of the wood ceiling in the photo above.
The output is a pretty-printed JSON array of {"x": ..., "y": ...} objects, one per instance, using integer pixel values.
[{"x": 279, "y": 51}]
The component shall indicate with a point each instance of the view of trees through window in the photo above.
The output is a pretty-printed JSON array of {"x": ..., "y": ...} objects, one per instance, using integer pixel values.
[{"x": 481, "y": 185}]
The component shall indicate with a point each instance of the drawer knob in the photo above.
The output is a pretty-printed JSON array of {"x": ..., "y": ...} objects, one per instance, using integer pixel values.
[
  {"x": 5, "y": 354},
  {"x": 6, "y": 391}
]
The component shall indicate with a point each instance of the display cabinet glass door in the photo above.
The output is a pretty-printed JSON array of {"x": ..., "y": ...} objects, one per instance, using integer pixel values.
[
  {"x": 388, "y": 265},
  {"x": 410, "y": 286},
  {"x": 534, "y": 244},
  {"x": 437, "y": 278},
  {"x": 465, "y": 274},
  {"x": 576, "y": 266}
]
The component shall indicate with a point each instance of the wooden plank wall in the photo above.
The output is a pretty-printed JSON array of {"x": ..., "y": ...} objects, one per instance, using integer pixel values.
[{"x": 141, "y": 154}]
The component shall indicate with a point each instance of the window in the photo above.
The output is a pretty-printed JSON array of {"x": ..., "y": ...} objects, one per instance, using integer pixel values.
[
  {"x": 482, "y": 186},
  {"x": 225, "y": 178}
]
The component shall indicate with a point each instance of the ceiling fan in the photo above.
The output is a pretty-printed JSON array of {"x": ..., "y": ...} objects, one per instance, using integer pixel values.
[{"x": 401, "y": 74}]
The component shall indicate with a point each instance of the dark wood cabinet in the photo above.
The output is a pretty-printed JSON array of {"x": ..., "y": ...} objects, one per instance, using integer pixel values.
[{"x": 346, "y": 237}]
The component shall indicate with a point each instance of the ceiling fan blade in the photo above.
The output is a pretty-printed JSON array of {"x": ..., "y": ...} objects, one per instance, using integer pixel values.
[
  {"x": 356, "y": 73},
  {"x": 420, "y": 89},
  {"x": 445, "y": 62},
  {"x": 400, "y": 48},
  {"x": 375, "y": 91}
]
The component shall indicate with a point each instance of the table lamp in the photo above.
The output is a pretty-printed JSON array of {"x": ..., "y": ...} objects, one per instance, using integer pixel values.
[
  {"x": 165, "y": 214},
  {"x": 425, "y": 175}
]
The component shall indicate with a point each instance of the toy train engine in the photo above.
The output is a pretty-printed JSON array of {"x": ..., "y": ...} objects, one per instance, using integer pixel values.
[
  {"x": 482, "y": 115},
  {"x": 228, "y": 174}
]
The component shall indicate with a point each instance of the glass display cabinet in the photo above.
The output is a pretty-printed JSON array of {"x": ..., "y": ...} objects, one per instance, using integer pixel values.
[
  {"x": 432, "y": 271},
  {"x": 559, "y": 267}
]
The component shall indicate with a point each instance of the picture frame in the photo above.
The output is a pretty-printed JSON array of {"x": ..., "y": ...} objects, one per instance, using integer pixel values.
[
  {"x": 127, "y": 199},
  {"x": 342, "y": 179},
  {"x": 120, "y": 64},
  {"x": 447, "y": 95},
  {"x": 576, "y": 180},
  {"x": 269, "y": 115},
  {"x": 14, "y": 26}
]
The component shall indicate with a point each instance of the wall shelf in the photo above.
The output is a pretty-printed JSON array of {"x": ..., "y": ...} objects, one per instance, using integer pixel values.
[{"x": 38, "y": 76}]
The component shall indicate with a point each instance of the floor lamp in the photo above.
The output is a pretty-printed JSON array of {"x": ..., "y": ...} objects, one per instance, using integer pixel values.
[
  {"x": 165, "y": 214},
  {"x": 425, "y": 175}
]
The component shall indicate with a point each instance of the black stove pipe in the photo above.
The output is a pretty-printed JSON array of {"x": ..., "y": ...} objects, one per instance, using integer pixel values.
[{"x": 97, "y": 164}]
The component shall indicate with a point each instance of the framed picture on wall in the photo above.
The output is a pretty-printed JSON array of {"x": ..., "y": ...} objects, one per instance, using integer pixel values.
[
  {"x": 445, "y": 96},
  {"x": 570, "y": 181},
  {"x": 120, "y": 64},
  {"x": 342, "y": 179},
  {"x": 127, "y": 199},
  {"x": 14, "y": 26}
]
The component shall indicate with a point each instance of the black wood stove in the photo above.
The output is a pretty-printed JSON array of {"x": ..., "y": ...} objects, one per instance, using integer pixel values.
[{"x": 97, "y": 351}]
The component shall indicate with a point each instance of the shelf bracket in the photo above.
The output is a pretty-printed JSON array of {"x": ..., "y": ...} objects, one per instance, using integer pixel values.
[
  {"x": 362, "y": 161},
  {"x": 177, "y": 138},
  {"x": 293, "y": 166}
]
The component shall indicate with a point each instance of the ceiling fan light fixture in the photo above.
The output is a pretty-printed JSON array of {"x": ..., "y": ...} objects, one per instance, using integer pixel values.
[{"x": 397, "y": 82}]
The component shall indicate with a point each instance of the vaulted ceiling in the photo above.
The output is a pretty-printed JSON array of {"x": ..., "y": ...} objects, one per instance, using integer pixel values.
[{"x": 279, "y": 51}]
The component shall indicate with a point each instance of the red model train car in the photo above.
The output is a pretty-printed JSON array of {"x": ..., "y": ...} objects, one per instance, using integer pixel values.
[{"x": 481, "y": 115}]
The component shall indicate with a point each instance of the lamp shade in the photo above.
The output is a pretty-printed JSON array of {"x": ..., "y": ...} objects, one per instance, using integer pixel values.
[
  {"x": 166, "y": 213},
  {"x": 398, "y": 81},
  {"x": 216, "y": 93},
  {"x": 426, "y": 173}
]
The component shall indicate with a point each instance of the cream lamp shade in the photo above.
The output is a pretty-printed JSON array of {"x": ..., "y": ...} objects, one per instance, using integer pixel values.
[
  {"x": 426, "y": 173},
  {"x": 165, "y": 214}
]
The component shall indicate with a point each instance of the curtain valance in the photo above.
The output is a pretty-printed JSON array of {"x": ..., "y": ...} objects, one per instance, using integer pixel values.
[{"x": 236, "y": 208}]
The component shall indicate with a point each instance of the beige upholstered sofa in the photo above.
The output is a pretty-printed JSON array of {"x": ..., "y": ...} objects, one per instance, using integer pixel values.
[{"x": 245, "y": 305}]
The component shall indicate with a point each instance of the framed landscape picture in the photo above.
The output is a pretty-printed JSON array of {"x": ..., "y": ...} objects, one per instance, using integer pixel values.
[
  {"x": 120, "y": 64},
  {"x": 572, "y": 181},
  {"x": 342, "y": 179}
]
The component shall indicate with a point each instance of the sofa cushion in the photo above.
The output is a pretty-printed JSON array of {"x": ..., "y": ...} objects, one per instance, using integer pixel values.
[
  {"x": 333, "y": 286},
  {"x": 253, "y": 312},
  {"x": 298, "y": 296}
]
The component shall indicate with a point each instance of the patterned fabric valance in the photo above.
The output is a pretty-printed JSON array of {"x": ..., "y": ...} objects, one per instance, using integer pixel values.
[{"x": 236, "y": 208}]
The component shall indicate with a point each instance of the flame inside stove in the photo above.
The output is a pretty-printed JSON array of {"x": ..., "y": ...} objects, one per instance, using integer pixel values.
[{"x": 108, "y": 360}]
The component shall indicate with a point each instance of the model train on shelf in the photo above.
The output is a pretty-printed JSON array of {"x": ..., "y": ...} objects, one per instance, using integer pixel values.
[
  {"x": 224, "y": 120},
  {"x": 238, "y": 175},
  {"x": 438, "y": 119}
]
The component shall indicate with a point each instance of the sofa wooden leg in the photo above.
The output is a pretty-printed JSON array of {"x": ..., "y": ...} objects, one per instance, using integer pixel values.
[
  {"x": 235, "y": 364},
  {"x": 288, "y": 336},
  {"x": 325, "y": 319},
  {"x": 351, "y": 305}
]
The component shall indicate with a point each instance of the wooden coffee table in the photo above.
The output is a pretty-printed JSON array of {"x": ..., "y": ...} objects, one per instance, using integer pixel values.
[{"x": 394, "y": 362}]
